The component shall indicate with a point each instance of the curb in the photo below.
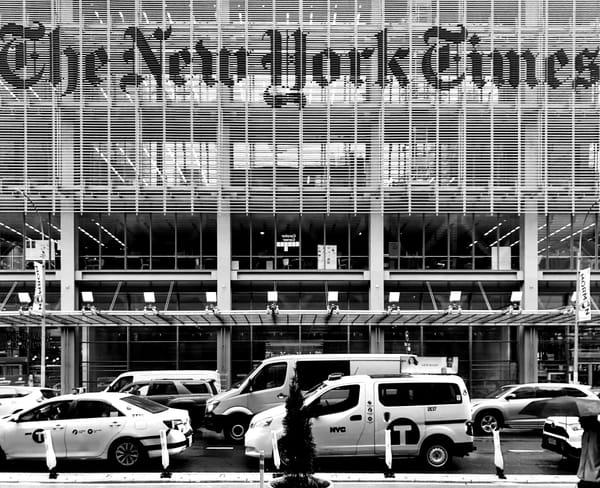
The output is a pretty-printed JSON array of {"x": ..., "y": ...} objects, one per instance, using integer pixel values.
[{"x": 154, "y": 478}]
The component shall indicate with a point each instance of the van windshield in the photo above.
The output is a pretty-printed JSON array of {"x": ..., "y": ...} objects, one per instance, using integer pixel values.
[{"x": 239, "y": 383}]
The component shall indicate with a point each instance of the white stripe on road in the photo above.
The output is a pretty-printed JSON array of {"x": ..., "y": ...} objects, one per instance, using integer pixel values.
[
  {"x": 526, "y": 450},
  {"x": 219, "y": 447}
]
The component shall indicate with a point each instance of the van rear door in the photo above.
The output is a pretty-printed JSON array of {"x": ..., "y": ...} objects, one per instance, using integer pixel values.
[
  {"x": 400, "y": 409},
  {"x": 447, "y": 404}
]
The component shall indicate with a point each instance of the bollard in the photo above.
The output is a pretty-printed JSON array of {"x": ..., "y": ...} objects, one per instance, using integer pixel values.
[
  {"x": 276, "y": 458},
  {"x": 389, "y": 472},
  {"x": 498, "y": 459},
  {"x": 164, "y": 454},
  {"x": 261, "y": 468},
  {"x": 50, "y": 455}
]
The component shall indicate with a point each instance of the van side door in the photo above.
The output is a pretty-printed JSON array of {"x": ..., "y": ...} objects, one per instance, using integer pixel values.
[
  {"x": 268, "y": 388},
  {"x": 338, "y": 421},
  {"x": 446, "y": 406},
  {"x": 399, "y": 407}
]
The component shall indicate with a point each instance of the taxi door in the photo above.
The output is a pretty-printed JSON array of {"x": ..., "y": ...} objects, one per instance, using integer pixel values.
[
  {"x": 399, "y": 409},
  {"x": 339, "y": 425},
  {"x": 23, "y": 438},
  {"x": 268, "y": 388},
  {"x": 93, "y": 425}
]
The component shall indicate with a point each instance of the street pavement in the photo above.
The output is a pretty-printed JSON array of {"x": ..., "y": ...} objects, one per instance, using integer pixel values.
[{"x": 253, "y": 480}]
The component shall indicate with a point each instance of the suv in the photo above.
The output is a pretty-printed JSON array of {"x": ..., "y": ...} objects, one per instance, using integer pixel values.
[
  {"x": 190, "y": 395},
  {"x": 15, "y": 398},
  {"x": 502, "y": 407}
]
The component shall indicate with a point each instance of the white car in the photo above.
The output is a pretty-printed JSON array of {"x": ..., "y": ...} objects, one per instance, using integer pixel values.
[
  {"x": 562, "y": 435},
  {"x": 122, "y": 428},
  {"x": 16, "y": 398}
]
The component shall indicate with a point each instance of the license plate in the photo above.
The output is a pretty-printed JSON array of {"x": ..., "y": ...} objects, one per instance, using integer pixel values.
[{"x": 552, "y": 441}]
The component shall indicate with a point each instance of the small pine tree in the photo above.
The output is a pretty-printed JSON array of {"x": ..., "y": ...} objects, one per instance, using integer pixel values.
[{"x": 297, "y": 448}]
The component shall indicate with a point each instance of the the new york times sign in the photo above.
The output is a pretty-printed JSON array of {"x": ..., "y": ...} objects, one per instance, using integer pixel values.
[{"x": 31, "y": 55}]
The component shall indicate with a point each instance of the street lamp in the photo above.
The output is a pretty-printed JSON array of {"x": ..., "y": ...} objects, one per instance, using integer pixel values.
[
  {"x": 579, "y": 303},
  {"x": 42, "y": 296}
]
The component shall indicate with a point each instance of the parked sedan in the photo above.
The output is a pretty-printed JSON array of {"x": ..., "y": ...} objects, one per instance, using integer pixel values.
[
  {"x": 122, "y": 428},
  {"x": 190, "y": 395},
  {"x": 17, "y": 398}
]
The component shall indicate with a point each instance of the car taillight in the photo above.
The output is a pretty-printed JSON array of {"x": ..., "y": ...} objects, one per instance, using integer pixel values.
[
  {"x": 174, "y": 424},
  {"x": 469, "y": 426}
]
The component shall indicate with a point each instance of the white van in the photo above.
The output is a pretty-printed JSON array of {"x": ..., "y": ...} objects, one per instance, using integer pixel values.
[
  {"x": 268, "y": 385},
  {"x": 174, "y": 374},
  {"x": 427, "y": 416}
]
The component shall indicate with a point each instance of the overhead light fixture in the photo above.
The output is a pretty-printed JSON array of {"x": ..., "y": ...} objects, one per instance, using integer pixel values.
[
  {"x": 332, "y": 303},
  {"x": 24, "y": 301},
  {"x": 211, "y": 302},
  {"x": 515, "y": 302},
  {"x": 150, "y": 302},
  {"x": 393, "y": 302},
  {"x": 454, "y": 305},
  {"x": 87, "y": 298},
  {"x": 272, "y": 306}
]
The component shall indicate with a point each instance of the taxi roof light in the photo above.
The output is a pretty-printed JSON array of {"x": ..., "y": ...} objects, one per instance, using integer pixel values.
[{"x": 335, "y": 376}]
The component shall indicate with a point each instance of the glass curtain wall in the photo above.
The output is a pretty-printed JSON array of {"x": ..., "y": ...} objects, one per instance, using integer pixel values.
[
  {"x": 292, "y": 241},
  {"x": 451, "y": 242},
  {"x": 147, "y": 241}
]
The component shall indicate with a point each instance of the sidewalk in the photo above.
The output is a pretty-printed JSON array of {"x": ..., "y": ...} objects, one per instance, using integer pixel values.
[{"x": 252, "y": 480}]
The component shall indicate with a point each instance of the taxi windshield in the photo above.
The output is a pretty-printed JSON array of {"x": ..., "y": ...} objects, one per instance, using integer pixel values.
[
  {"x": 145, "y": 404},
  {"x": 310, "y": 394}
]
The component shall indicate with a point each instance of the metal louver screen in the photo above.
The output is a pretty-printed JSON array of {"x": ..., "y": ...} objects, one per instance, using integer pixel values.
[{"x": 300, "y": 106}]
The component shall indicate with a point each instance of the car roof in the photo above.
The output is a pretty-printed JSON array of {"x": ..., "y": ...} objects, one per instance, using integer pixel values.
[
  {"x": 558, "y": 385},
  {"x": 100, "y": 395}
]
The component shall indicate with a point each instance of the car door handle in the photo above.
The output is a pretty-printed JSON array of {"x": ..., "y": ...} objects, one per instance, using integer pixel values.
[
  {"x": 281, "y": 396},
  {"x": 115, "y": 424},
  {"x": 356, "y": 417},
  {"x": 58, "y": 427}
]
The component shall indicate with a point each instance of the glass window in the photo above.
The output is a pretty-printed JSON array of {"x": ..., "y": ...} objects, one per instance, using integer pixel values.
[
  {"x": 288, "y": 241},
  {"x": 144, "y": 404},
  {"x": 404, "y": 394},
  {"x": 312, "y": 234},
  {"x": 336, "y": 234},
  {"x": 188, "y": 241},
  {"x": 436, "y": 239},
  {"x": 163, "y": 241},
  {"x": 89, "y": 409},
  {"x": 138, "y": 241},
  {"x": 48, "y": 411},
  {"x": 524, "y": 392},
  {"x": 112, "y": 238},
  {"x": 263, "y": 242},
  {"x": 166, "y": 388},
  {"x": 336, "y": 400},
  {"x": 271, "y": 376},
  {"x": 198, "y": 387},
  {"x": 461, "y": 241},
  {"x": 11, "y": 242},
  {"x": 570, "y": 391},
  {"x": 120, "y": 383}
]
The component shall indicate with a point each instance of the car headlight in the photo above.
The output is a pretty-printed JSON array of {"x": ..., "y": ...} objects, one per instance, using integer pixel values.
[
  {"x": 262, "y": 423},
  {"x": 210, "y": 406}
]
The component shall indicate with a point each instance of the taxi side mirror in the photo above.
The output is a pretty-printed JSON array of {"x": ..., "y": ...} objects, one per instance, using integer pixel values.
[{"x": 511, "y": 396}]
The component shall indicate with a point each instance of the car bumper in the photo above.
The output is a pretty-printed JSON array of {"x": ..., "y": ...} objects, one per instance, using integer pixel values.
[
  {"x": 463, "y": 448},
  {"x": 560, "y": 446},
  {"x": 177, "y": 442},
  {"x": 213, "y": 422},
  {"x": 257, "y": 440}
]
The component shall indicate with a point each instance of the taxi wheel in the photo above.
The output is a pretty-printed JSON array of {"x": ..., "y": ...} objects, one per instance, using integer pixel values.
[
  {"x": 436, "y": 453},
  {"x": 127, "y": 453},
  {"x": 236, "y": 428}
]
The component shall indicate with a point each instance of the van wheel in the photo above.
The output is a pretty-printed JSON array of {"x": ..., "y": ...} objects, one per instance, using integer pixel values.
[
  {"x": 436, "y": 454},
  {"x": 487, "y": 421},
  {"x": 236, "y": 428}
]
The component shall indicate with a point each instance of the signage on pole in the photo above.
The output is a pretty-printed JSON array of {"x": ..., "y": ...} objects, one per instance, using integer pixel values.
[
  {"x": 287, "y": 241},
  {"x": 40, "y": 287},
  {"x": 331, "y": 257},
  {"x": 584, "y": 304}
]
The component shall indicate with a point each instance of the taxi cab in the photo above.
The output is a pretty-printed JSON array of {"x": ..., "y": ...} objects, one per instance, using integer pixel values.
[
  {"x": 427, "y": 416},
  {"x": 123, "y": 428}
]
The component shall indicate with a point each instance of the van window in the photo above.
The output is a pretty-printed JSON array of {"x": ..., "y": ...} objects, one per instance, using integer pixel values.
[
  {"x": 271, "y": 376},
  {"x": 336, "y": 400},
  {"x": 403, "y": 394},
  {"x": 311, "y": 373}
]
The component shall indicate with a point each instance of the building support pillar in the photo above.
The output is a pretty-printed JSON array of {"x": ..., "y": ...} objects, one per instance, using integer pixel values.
[
  {"x": 70, "y": 349},
  {"x": 224, "y": 295},
  {"x": 376, "y": 278},
  {"x": 528, "y": 336}
]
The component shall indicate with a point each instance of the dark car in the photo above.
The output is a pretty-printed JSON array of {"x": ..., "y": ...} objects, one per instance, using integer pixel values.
[{"x": 190, "y": 395}]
